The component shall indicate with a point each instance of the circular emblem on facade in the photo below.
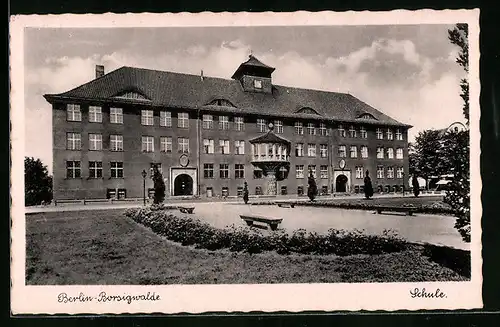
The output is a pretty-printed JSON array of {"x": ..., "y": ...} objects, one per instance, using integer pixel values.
[
  {"x": 342, "y": 164},
  {"x": 184, "y": 160},
  {"x": 271, "y": 126}
]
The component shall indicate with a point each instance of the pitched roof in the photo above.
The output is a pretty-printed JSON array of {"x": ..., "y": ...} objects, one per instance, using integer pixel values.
[
  {"x": 269, "y": 137},
  {"x": 169, "y": 89}
]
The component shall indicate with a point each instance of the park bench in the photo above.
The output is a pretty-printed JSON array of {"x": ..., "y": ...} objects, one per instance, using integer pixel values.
[
  {"x": 272, "y": 222},
  {"x": 186, "y": 209},
  {"x": 409, "y": 211},
  {"x": 286, "y": 205}
]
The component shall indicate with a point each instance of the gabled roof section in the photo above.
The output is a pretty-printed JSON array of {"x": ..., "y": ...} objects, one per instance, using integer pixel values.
[
  {"x": 269, "y": 137},
  {"x": 190, "y": 92},
  {"x": 307, "y": 111},
  {"x": 132, "y": 93},
  {"x": 366, "y": 115},
  {"x": 221, "y": 102},
  {"x": 255, "y": 66}
]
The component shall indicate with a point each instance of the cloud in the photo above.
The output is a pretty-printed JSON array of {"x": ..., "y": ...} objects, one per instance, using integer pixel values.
[{"x": 391, "y": 75}]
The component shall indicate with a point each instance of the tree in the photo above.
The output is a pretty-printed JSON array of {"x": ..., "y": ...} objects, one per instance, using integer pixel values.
[
  {"x": 312, "y": 189},
  {"x": 426, "y": 158},
  {"x": 159, "y": 186},
  {"x": 37, "y": 182},
  {"x": 459, "y": 36}
]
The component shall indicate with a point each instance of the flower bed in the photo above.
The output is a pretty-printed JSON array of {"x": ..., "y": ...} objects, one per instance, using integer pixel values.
[{"x": 191, "y": 231}]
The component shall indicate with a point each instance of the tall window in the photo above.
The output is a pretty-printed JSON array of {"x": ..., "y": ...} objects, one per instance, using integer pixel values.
[
  {"x": 116, "y": 169},
  {"x": 311, "y": 129},
  {"x": 390, "y": 136},
  {"x": 323, "y": 171},
  {"x": 390, "y": 153},
  {"x": 165, "y": 118},
  {"x": 183, "y": 145},
  {"x": 116, "y": 142},
  {"x": 399, "y": 153},
  {"x": 208, "y": 146},
  {"x": 239, "y": 171},
  {"x": 224, "y": 122},
  {"x": 359, "y": 172},
  {"x": 354, "y": 151},
  {"x": 224, "y": 171},
  {"x": 73, "y": 112},
  {"x": 342, "y": 151},
  {"x": 323, "y": 150},
  {"x": 299, "y": 150},
  {"x": 257, "y": 173},
  {"x": 208, "y": 121},
  {"x": 341, "y": 131},
  {"x": 352, "y": 131},
  {"x": 278, "y": 126},
  {"x": 95, "y": 142},
  {"x": 380, "y": 153},
  {"x": 299, "y": 128},
  {"x": 148, "y": 144},
  {"x": 390, "y": 172},
  {"x": 399, "y": 135},
  {"x": 257, "y": 84},
  {"x": 73, "y": 141},
  {"x": 363, "y": 133},
  {"x": 364, "y": 151},
  {"x": 239, "y": 123},
  {"x": 95, "y": 169},
  {"x": 299, "y": 171},
  {"x": 208, "y": 170},
  {"x": 380, "y": 172},
  {"x": 311, "y": 168},
  {"x": 311, "y": 150},
  {"x": 116, "y": 115},
  {"x": 147, "y": 117},
  {"x": 166, "y": 144},
  {"x": 261, "y": 125},
  {"x": 183, "y": 120},
  {"x": 323, "y": 131},
  {"x": 380, "y": 134},
  {"x": 239, "y": 147},
  {"x": 224, "y": 146},
  {"x": 95, "y": 114},
  {"x": 399, "y": 172},
  {"x": 73, "y": 169}
]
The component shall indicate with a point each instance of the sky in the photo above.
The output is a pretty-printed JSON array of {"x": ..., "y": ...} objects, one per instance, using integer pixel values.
[{"x": 406, "y": 71}]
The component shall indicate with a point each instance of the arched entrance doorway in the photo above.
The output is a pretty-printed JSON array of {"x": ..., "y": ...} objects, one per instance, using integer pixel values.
[
  {"x": 341, "y": 183},
  {"x": 183, "y": 185}
]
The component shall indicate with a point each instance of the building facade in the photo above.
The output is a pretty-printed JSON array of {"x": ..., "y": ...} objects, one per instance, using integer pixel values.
[{"x": 203, "y": 133}]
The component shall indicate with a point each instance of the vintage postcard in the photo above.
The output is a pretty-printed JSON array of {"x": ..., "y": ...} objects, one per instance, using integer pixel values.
[{"x": 237, "y": 162}]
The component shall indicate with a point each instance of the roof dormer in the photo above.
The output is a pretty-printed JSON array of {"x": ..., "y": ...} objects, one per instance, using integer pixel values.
[{"x": 254, "y": 76}]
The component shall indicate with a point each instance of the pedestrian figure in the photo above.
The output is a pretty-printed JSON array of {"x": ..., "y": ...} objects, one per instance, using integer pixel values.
[
  {"x": 312, "y": 189},
  {"x": 416, "y": 186},
  {"x": 245, "y": 193},
  {"x": 368, "y": 186}
]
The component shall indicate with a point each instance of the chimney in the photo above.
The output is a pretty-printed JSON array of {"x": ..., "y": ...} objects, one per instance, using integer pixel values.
[
  {"x": 99, "y": 71},
  {"x": 201, "y": 75}
]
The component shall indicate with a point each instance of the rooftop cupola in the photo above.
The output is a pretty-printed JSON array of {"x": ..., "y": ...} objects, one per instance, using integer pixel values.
[{"x": 254, "y": 75}]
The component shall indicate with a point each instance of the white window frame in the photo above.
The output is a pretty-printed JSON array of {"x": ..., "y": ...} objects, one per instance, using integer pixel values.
[
  {"x": 73, "y": 112},
  {"x": 353, "y": 151},
  {"x": 399, "y": 172},
  {"x": 261, "y": 125},
  {"x": 166, "y": 144},
  {"x": 116, "y": 115},
  {"x": 311, "y": 150},
  {"x": 299, "y": 128},
  {"x": 116, "y": 142},
  {"x": 224, "y": 147},
  {"x": 182, "y": 145},
  {"x": 165, "y": 118},
  {"x": 208, "y": 146},
  {"x": 379, "y": 133},
  {"x": 323, "y": 131},
  {"x": 223, "y": 122},
  {"x": 299, "y": 149},
  {"x": 311, "y": 129},
  {"x": 239, "y": 172},
  {"x": 399, "y": 153},
  {"x": 208, "y": 170},
  {"x": 390, "y": 153},
  {"x": 380, "y": 153},
  {"x": 239, "y": 123},
  {"x": 390, "y": 134},
  {"x": 359, "y": 172},
  {"x": 183, "y": 120},
  {"x": 278, "y": 126},
  {"x": 341, "y": 131},
  {"x": 95, "y": 114},
  {"x": 95, "y": 142},
  {"x": 257, "y": 83},
  {"x": 313, "y": 169},
  {"x": 148, "y": 143},
  {"x": 208, "y": 121},
  {"x": 380, "y": 172},
  {"x": 390, "y": 172},
  {"x": 323, "y": 150},
  {"x": 224, "y": 167},
  {"x": 399, "y": 135},
  {"x": 147, "y": 117},
  {"x": 75, "y": 166},
  {"x": 364, "y": 152},
  {"x": 323, "y": 171},
  {"x": 299, "y": 171},
  {"x": 73, "y": 141},
  {"x": 116, "y": 169},
  {"x": 352, "y": 131},
  {"x": 239, "y": 147},
  {"x": 342, "y": 151},
  {"x": 363, "y": 133},
  {"x": 94, "y": 168}
]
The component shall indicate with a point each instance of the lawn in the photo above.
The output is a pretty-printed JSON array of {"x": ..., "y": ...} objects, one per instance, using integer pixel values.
[{"x": 105, "y": 247}]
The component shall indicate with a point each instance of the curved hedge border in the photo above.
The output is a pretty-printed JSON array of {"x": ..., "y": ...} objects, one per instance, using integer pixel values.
[
  {"x": 191, "y": 231},
  {"x": 436, "y": 209}
]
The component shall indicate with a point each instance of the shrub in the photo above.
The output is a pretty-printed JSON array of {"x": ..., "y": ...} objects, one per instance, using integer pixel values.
[{"x": 191, "y": 231}]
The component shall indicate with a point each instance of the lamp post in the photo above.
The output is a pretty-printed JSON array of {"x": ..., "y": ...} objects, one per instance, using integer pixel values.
[{"x": 144, "y": 174}]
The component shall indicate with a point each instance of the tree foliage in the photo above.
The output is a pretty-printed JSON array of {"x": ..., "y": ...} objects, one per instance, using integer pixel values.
[
  {"x": 159, "y": 186},
  {"x": 37, "y": 182},
  {"x": 459, "y": 36},
  {"x": 426, "y": 154}
]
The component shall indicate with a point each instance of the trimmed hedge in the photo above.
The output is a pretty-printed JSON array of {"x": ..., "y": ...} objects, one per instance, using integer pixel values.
[
  {"x": 191, "y": 231},
  {"x": 435, "y": 208}
]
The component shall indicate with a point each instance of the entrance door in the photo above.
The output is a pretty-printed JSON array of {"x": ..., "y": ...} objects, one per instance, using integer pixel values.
[
  {"x": 183, "y": 185},
  {"x": 340, "y": 183}
]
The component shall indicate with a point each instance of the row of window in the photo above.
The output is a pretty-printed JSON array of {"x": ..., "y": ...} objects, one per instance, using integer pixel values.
[
  {"x": 73, "y": 170},
  {"x": 74, "y": 142},
  {"x": 147, "y": 119}
]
